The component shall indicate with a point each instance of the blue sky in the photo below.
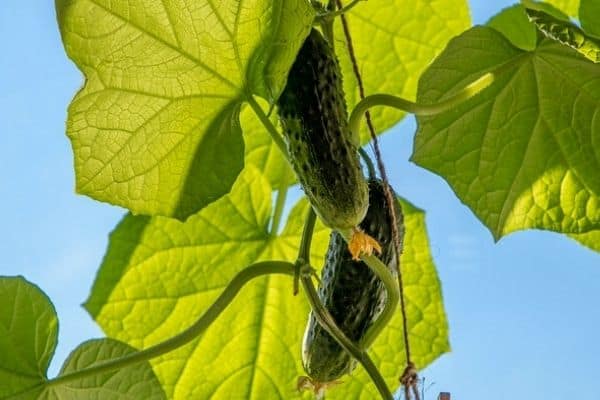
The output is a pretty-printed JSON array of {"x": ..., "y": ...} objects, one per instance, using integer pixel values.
[{"x": 522, "y": 315}]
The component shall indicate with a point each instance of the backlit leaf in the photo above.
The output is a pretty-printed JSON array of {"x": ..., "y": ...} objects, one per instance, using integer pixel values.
[
  {"x": 156, "y": 126},
  {"x": 523, "y": 153},
  {"x": 159, "y": 275},
  {"x": 589, "y": 239}
]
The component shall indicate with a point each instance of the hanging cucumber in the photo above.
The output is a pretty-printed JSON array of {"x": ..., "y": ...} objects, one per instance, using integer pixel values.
[
  {"x": 351, "y": 292},
  {"x": 313, "y": 114}
]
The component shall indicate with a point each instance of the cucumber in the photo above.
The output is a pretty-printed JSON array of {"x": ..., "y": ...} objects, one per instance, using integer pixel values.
[
  {"x": 313, "y": 114},
  {"x": 351, "y": 292}
]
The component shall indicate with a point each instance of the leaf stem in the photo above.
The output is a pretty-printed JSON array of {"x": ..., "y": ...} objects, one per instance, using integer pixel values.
[
  {"x": 323, "y": 316},
  {"x": 275, "y": 135},
  {"x": 305, "y": 243},
  {"x": 368, "y": 161},
  {"x": 224, "y": 299},
  {"x": 278, "y": 212},
  {"x": 454, "y": 100},
  {"x": 337, "y": 13},
  {"x": 307, "y": 234}
]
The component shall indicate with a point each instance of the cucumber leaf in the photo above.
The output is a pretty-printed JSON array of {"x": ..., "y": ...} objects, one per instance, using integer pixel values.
[
  {"x": 523, "y": 153},
  {"x": 156, "y": 127},
  {"x": 394, "y": 41},
  {"x": 514, "y": 24},
  {"x": 589, "y": 239},
  {"x": 160, "y": 274},
  {"x": 589, "y": 15},
  {"x": 556, "y": 27},
  {"x": 133, "y": 382},
  {"x": 28, "y": 334}
]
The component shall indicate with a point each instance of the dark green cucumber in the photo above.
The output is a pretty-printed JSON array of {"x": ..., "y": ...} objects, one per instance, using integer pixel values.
[
  {"x": 313, "y": 114},
  {"x": 351, "y": 292}
]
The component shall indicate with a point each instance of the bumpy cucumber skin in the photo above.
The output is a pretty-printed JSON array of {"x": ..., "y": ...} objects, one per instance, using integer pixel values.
[
  {"x": 351, "y": 292},
  {"x": 313, "y": 114}
]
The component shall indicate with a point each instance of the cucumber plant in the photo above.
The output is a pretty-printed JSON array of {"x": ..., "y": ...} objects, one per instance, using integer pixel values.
[{"x": 174, "y": 123}]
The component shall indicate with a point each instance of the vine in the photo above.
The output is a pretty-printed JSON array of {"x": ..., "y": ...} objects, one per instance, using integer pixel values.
[{"x": 230, "y": 292}]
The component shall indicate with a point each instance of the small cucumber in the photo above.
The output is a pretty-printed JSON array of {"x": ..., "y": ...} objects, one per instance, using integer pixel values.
[
  {"x": 351, "y": 292},
  {"x": 313, "y": 114}
]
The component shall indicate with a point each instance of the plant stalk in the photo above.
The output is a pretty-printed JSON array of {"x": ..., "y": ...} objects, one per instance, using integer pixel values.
[
  {"x": 368, "y": 162},
  {"x": 278, "y": 212},
  {"x": 224, "y": 299},
  {"x": 275, "y": 135}
]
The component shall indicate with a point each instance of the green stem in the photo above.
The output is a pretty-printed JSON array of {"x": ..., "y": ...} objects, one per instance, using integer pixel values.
[
  {"x": 368, "y": 161},
  {"x": 325, "y": 319},
  {"x": 224, "y": 299},
  {"x": 327, "y": 27},
  {"x": 462, "y": 95},
  {"x": 305, "y": 243},
  {"x": 279, "y": 205},
  {"x": 307, "y": 234},
  {"x": 337, "y": 13},
  {"x": 275, "y": 135}
]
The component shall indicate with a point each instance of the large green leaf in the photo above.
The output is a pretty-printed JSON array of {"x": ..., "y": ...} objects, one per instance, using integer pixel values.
[
  {"x": 589, "y": 15},
  {"x": 28, "y": 332},
  {"x": 160, "y": 274},
  {"x": 524, "y": 153},
  {"x": 156, "y": 128},
  {"x": 394, "y": 41}
]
